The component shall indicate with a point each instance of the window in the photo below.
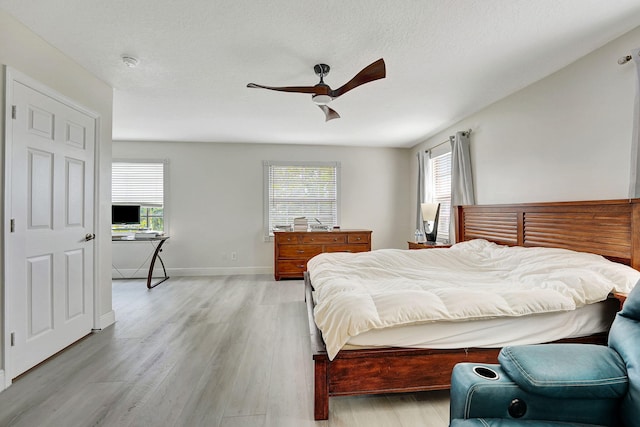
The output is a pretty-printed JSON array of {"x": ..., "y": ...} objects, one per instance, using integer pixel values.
[
  {"x": 440, "y": 191},
  {"x": 300, "y": 189},
  {"x": 140, "y": 183}
]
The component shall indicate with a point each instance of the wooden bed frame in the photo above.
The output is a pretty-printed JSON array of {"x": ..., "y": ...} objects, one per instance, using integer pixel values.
[{"x": 610, "y": 228}]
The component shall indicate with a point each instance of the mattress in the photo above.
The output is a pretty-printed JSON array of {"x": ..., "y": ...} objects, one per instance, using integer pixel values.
[
  {"x": 365, "y": 294},
  {"x": 493, "y": 333}
]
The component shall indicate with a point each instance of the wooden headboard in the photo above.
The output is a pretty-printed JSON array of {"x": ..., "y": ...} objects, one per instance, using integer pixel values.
[{"x": 606, "y": 227}]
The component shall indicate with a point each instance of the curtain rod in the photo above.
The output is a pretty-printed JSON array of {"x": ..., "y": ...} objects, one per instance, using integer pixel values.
[
  {"x": 438, "y": 145},
  {"x": 444, "y": 142}
]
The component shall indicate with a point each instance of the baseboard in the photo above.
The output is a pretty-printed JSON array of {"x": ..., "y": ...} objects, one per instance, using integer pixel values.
[
  {"x": 205, "y": 271},
  {"x": 219, "y": 271},
  {"x": 107, "y": 319}
]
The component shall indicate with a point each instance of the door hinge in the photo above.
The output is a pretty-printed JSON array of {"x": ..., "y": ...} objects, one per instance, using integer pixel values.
[
  {"x": 13, "y": 111},
  {"x": 13, "y": 339},
  {"x": 13, "y": 225}
]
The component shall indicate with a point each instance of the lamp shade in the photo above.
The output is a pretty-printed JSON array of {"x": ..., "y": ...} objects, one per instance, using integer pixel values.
[{"x": 429, "y": 211}]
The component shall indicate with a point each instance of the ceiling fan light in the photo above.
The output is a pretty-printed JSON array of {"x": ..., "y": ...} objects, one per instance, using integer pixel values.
[{"x": 321, "y": 99}]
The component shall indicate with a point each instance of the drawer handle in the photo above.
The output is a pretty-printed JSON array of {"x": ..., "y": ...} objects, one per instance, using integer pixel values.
[
  {"x": 300, "y": 266},
  {"x": 358, "y": 238},
  {"x": 300, "y": 251}
]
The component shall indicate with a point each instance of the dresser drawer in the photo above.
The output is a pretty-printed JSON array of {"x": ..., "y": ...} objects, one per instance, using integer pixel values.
[
  {"x": 292, "y": 267},
  {"x": 358, "y": 238},
  {"x": 328, "y": 238},
  {"x": 299, "y": 251},
  {"x": 347, "y": 248},
  {"x": 287, "y": 239}
]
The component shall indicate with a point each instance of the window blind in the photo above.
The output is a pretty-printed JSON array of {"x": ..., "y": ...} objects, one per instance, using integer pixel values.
[
  {"x": 140, "y": 183},
  {"x": 441, "y": 182},
  {"x": 301, "y": 190}
]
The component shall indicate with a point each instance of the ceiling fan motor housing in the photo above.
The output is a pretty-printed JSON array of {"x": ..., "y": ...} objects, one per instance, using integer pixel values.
[{"x": 320, "y": 98}]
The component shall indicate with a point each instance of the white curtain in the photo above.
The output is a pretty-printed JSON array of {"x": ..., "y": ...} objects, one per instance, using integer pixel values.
[
  {"x": 461, "y": 178},
  {"x": 634, "y": 186},
  {"x": 424, "y": 186},
  {"x": 428, "y": 177},
  {"x": 421, "y": 187}
]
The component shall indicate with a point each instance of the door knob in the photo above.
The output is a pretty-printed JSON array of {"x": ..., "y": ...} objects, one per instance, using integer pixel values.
[{"x": 89, "y": 236}]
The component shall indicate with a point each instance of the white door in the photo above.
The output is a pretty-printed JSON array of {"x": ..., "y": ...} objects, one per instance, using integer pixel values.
[{"x": 50, "y": 243}]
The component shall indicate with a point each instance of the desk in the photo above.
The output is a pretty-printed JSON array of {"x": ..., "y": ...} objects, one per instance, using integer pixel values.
[{"x": 156, "y": 255}]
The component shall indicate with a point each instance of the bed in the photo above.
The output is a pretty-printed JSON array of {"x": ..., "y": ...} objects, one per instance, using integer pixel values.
[{"x": 608, "y": 228}]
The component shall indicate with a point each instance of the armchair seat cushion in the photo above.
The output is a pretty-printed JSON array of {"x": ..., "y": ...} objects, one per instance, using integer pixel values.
[{"x": 572, "y": 371}]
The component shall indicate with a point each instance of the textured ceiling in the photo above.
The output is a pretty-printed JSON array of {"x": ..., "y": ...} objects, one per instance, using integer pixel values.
[{"x": 445, "y": 60}]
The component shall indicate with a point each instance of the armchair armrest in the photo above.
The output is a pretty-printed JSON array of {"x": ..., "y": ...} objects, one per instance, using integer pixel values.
[
  {"x": 566, "y": 371},
  {"x": 493, "y": 422},
  {"x": 475, "y": 395}
]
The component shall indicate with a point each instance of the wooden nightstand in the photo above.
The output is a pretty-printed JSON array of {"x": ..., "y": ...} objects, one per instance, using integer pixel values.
[{"x": 414, "y": 245}]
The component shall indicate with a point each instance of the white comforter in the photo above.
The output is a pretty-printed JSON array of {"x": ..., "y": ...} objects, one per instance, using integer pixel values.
[{"x": 358, "y": 292}]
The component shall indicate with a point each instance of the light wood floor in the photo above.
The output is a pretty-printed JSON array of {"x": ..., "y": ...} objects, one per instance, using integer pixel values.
[{"x": 228, "y": 351}]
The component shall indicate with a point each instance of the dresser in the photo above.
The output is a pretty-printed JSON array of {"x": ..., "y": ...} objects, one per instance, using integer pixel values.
[{"x": 293, "y": 249}]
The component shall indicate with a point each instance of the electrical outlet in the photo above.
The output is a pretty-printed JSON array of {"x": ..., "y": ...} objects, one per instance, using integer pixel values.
[{"x": 234, "y": 256}]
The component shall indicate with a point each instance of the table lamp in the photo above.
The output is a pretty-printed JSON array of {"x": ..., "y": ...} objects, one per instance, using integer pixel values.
[{"x": 430, "y": 214}]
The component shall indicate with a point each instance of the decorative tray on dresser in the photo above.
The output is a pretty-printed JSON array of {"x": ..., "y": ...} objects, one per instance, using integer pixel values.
[{"x": 294, "y": 248}]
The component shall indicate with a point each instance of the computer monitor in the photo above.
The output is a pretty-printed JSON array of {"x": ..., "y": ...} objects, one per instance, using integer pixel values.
[
  {"x": 430, "y": 214},
  {"x": 125, "y": 214}
]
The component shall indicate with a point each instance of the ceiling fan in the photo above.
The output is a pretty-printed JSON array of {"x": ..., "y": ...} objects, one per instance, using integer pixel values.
[{"x": 322, "y": 94}]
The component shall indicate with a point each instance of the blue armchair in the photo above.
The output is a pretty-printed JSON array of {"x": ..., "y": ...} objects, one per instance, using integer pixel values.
[{"x": 556, "y": 384}]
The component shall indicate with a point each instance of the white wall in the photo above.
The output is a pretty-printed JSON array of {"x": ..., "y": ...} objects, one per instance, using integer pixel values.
[
  {"x": 566, "y": 137},
  {"x": 26, "y": 52},
  {"x": 215, "y": 201}
]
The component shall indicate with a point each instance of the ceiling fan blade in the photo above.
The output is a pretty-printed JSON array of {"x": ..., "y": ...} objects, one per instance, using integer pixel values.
[
  {"x": 329, "y": 113},
  {"x": 300, "y": 89},
  {"x": 374, "y": 71}
]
